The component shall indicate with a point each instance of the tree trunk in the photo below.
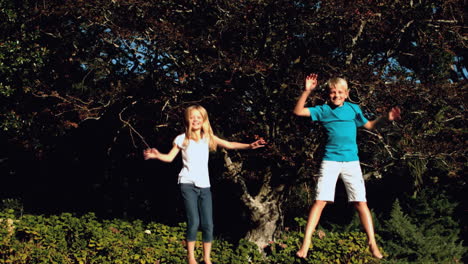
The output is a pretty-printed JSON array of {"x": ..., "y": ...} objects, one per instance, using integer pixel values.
[
  {"x": 265, "y": 207},
  {"x": 265, "y": 215}
]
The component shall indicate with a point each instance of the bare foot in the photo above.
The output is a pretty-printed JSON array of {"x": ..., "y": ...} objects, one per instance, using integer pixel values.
[
  {"x": 302, "y": 252},
  {"x": 192, "y": 261},
  {"x": 374, "y": 249}
]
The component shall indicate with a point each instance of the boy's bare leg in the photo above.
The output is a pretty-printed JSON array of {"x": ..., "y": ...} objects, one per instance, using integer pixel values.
[
  {"x": 314, "y": 217},
  {"x": 207, "y": 252},
  {"x": 191, "y": 252},
  {"x": 366, "y": 221}
]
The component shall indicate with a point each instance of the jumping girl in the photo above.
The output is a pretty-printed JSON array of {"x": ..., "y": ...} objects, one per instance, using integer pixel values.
[{"x": 194, "y": 181}]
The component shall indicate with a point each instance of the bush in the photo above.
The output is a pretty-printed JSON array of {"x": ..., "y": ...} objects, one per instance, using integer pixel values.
[
  {"x": 67, "y": 239},
  {"x": 428, "y": 234},
  {"x": 327, "y": 247}
]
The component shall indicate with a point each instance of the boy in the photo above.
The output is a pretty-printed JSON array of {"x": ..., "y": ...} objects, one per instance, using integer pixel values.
[{"x": 341, "y": 120}]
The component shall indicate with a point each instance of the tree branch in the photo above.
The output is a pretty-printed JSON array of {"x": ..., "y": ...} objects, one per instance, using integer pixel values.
[
  {"x": 132, "y": 129},
  {"x": 398, "y": 40},
  {"x": 381, "y": 139},
  {"x": 76, "y": 104},
  {"x": 354, "y": 41}
]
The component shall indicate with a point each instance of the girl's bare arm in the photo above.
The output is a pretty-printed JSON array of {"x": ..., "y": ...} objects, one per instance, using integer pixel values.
[
  {"x": 237, "y": 145},
  {"x": 153, "y": 153}
]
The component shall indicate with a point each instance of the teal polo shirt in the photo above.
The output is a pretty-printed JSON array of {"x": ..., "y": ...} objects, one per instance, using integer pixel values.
[{"x": 341, "y": 124}]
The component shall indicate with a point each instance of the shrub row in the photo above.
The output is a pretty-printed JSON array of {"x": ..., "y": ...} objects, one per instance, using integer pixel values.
[{"x": 65, "y": 238}]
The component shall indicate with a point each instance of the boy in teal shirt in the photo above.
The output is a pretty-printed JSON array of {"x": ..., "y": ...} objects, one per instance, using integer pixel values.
[{"x": 341, "y": 120}]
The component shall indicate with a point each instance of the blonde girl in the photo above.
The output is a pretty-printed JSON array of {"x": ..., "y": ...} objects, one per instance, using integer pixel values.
[{"x": 194, "y": 181}]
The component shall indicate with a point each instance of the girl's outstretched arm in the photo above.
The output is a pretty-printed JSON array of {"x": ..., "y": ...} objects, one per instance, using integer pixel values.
[
  {"x": 153, "y": 153},
  {"x": 237, "y": 145}
]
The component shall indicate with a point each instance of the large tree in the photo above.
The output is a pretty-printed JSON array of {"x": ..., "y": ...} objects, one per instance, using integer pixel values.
[{"x": 133, "y": 64}]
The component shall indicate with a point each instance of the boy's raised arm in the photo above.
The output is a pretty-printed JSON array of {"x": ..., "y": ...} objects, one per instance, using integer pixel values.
[
  {"x": 310, "y": 84},
  {"x": 393, "y": 114}
]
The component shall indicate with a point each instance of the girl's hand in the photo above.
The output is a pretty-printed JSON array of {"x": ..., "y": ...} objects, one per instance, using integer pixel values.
[
  {"x": 258, "y": 144},
  {"x": 394, "y": 114},
  {"x": 151, "y": 153},
  {"x": 311, "y": 82}
]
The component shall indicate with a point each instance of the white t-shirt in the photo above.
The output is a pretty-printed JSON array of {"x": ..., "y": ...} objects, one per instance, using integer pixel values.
[{"x": 195, "y": 161}]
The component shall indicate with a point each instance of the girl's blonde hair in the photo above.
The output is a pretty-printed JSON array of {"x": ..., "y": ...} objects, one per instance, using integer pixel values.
[
  {"x": 333, "y": 82},
  {"x": 206, "y": 131}
]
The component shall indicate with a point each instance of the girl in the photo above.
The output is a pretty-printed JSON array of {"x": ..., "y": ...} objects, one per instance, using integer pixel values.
[{"x": 194, "y": 180}]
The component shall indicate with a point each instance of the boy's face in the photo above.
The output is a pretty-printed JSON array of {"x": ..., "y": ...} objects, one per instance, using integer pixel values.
[{"x": 338, "y": 95}]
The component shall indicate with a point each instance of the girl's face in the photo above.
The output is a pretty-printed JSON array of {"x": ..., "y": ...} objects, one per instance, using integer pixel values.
[
  {"x": 338, "y": 95},
  {"x": 195, "y": 120}
]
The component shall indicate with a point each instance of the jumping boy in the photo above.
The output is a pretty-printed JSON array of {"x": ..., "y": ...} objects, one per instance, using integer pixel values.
[{"x": 341, "y": 120}]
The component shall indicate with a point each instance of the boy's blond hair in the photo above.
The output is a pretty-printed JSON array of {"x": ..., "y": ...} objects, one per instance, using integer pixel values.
[
  {"x": 337, "y": 81},
  {"x": 207, "y": 131}
]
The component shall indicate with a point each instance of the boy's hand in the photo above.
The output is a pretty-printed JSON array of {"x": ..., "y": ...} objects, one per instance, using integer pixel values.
[
  {"x": 311, "y": 82},
  {"x": 394, "y": 114}
]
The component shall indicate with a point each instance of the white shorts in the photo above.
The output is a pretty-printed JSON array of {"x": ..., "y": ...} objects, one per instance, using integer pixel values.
[{"x": 351, "y": 175}]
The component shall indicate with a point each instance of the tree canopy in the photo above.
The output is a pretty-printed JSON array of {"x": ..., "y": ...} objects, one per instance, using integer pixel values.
[{"x": 94, "y": 83}]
